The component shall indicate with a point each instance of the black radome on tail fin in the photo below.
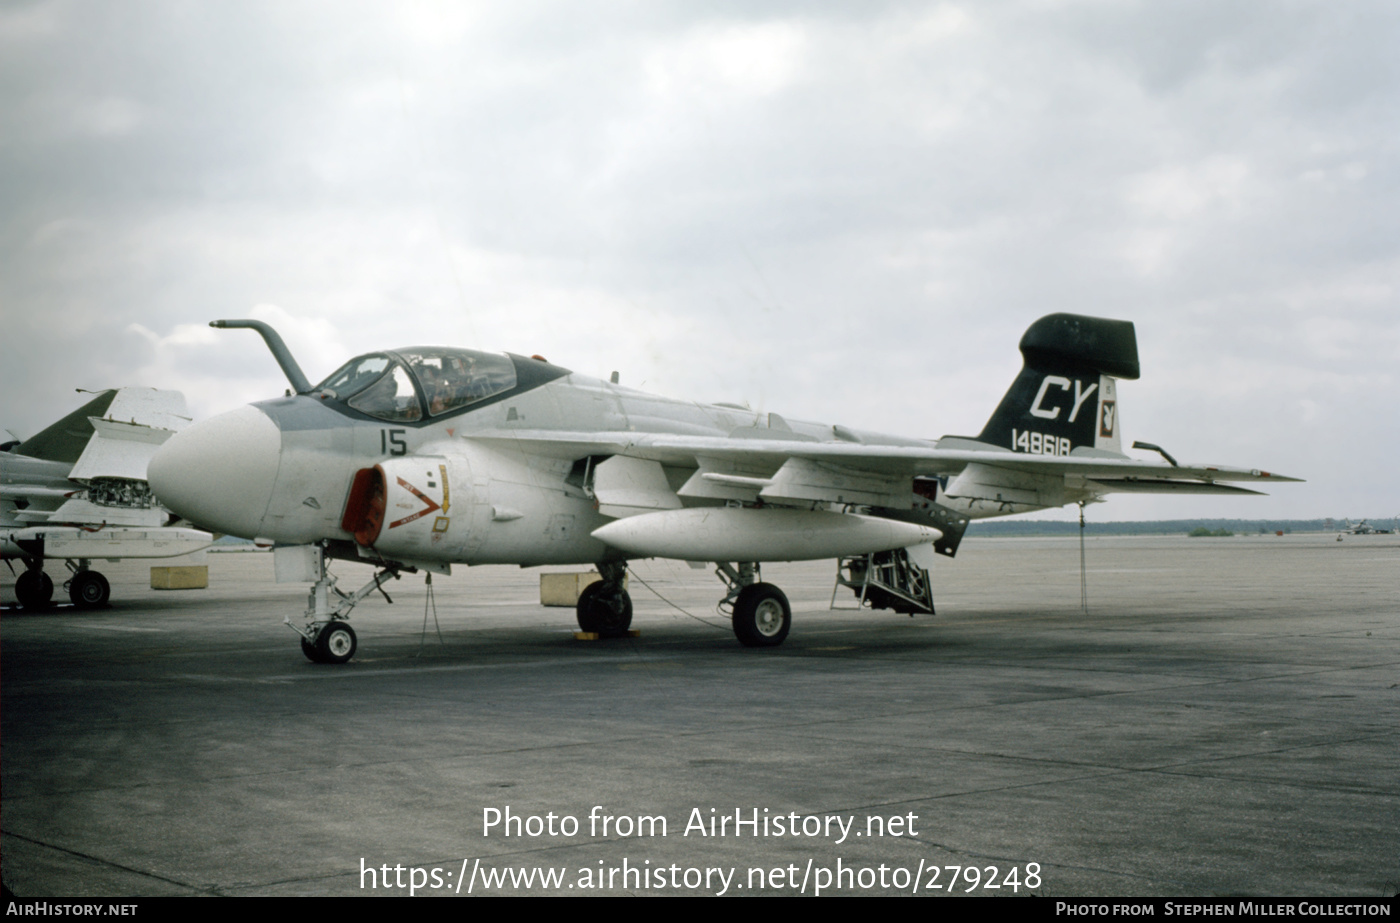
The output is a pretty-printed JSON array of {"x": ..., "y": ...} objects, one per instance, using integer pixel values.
[{"x": 1064, "y": 398}]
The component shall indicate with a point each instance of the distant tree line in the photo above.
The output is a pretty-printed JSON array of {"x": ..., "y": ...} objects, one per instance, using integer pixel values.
[{"x": 1152, "y": 527}]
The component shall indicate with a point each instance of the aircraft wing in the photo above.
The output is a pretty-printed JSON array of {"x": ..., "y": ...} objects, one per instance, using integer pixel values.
[
  {"x": 101, "y": 450},
  {"x": 881, "y": 474}
]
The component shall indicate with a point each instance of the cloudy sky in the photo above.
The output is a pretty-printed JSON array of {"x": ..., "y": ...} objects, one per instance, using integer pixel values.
[{"x": 840, "y": 212}]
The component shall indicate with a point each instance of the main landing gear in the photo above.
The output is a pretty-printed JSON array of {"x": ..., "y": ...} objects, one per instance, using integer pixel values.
[
  {"x": 327, "y": 637},
  {"x": 34, "y": 588},
  {"x": 87, "y": 588},
  {"x": 604, "y": 607},
  {"x": 760, "y": 611}
]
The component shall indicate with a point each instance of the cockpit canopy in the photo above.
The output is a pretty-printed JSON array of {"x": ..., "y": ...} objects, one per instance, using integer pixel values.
[{"x": 404, "y": 385}]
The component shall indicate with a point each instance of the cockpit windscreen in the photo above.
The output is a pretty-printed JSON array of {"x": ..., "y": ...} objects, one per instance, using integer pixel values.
[
  {"x": 354, "y": 375},
  {"x": 455, "y": 378},
  {"x": 383, "y": 385},
  {"x": 390, "y": 398}
]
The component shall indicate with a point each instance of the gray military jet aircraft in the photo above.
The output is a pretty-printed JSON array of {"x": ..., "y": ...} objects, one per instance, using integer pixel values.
[
  {"x": 77, "y": 492},
  {"x": 1362, "y": 528},
  {"x": 422, "y": 457}
]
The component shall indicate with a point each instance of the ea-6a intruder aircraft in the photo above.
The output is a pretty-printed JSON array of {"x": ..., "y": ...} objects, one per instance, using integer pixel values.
[
  {"x": 423, "y": 457},
  {"x": 77, "y": 492}
]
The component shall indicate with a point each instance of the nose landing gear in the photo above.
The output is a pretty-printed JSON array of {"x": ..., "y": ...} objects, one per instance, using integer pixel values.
[
  {"x": 336, "y": 643},
  {"x": 327, "y": 637}
]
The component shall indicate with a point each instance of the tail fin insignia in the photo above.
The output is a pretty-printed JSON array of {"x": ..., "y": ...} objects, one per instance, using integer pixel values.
[{"x": 1065, "y": 396}]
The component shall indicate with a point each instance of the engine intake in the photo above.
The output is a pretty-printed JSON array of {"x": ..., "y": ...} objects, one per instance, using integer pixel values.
[{"x": 404, "y": 506}]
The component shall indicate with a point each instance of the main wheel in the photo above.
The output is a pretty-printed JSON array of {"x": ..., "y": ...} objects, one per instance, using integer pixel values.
[
  {"x": 336, "y": 643},
  {"x": 310, "y": 651},
  {"x": 604, "y": 610},
  {"x": 762, "y": 616},
  {"x": 34, "y": 589},
  {"x": 88, "y": 589}
]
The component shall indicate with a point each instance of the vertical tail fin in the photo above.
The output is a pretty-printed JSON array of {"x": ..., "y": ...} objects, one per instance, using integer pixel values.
[{"x": 1065, "y": 396}]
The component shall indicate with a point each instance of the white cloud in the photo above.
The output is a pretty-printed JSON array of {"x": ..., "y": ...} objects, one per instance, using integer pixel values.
[
  {"x": 108, "y": 116},
  {"x": 1181, "y": 191},
  {"x": 726, "y": 64},
  {"x": 440, "y": 23},
  {"x": 20, "y": 22}
]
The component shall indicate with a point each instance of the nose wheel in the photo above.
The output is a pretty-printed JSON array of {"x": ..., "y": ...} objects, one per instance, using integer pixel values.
[{"x": 335, "y": 644}]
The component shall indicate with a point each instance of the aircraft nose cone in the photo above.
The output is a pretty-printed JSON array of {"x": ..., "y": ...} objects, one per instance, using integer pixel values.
[{"x": 219, "y": 473}]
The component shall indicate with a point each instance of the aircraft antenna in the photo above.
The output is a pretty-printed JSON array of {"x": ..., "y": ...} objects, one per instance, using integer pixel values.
[
  {"x": 429, "y": 600},
  {"x": 633, "y": 574},
  {"x": 1083, "y": 573}
]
